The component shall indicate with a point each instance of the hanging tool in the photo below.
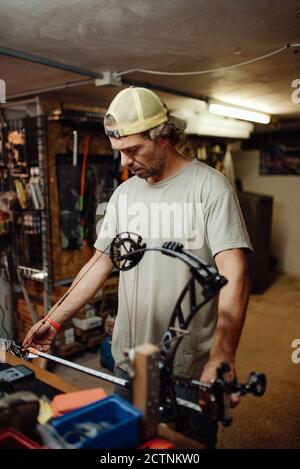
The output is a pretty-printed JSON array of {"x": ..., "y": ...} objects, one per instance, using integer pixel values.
[
  {"x": 36, "y": 183},
  {"x": 35, "y": 189},
  {"x": 75, "y": 147},
  {"x": 21, "y": 194},
  {"x": 81, "y": 199},
  {"x": 31, "y": 190}
]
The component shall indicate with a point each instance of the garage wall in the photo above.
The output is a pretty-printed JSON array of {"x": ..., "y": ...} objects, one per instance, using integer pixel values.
[{"x": 286, "y": 207}]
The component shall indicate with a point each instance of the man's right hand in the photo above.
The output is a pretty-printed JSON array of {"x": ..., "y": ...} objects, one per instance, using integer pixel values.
[
  {"x": 84, "y": 287},
  {"x": 40, "y": 336}
]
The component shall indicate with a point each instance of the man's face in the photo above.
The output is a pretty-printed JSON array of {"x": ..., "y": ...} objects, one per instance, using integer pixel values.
[{"x": 143, "y": 157}]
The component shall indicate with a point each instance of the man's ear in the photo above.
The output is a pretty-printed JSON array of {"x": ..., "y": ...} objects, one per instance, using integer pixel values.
[{"x": 163, "y": 142}]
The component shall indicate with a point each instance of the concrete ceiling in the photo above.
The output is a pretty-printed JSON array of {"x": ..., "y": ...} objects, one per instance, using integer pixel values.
[{"x": 169, "y": 35}]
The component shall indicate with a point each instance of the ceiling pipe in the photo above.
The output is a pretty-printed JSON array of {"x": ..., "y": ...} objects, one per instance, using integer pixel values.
[
  {"x": 70, "y": 68},
  {"x": 164, "y": 89},
  {"x": 17, "y": 105},
  {"x": 21, "y": 102},
  {"x": 125, "y": 82},
  {"x": 48, "y": 62},
  {"x": 36, "y": 92}
]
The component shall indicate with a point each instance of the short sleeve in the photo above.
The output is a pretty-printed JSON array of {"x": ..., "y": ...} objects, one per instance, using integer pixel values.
[
  {"x": 107, "y": 225},
  {"x": 225, "y": 225}
]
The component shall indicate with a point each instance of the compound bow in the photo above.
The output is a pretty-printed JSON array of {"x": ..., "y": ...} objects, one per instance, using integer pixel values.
[{"x": 126, "y": 251}]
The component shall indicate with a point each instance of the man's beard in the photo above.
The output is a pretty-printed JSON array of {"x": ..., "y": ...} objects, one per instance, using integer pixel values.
[{"x": 155, "y": 168}]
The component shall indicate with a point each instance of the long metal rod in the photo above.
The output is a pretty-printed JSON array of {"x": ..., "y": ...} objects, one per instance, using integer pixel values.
[
  {"x": 49, "y": 62},
  {"x": 124, "y": 82},
  {"x": 83, "y": 369},
  {"x": 39, "y": 91}
]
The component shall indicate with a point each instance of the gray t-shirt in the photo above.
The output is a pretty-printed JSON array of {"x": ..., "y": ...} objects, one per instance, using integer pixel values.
[{"x": 196, "y": 207}]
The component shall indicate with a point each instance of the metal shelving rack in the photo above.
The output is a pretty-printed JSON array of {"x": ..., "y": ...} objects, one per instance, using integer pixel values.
[
  {"x": 31, "y": 244},
  {"x": 45, "y": 214}
]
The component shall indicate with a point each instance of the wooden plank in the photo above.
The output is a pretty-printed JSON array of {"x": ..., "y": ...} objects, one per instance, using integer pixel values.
[{"x": 146, "y": 388}]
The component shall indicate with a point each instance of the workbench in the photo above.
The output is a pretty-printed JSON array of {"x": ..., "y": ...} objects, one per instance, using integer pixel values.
[
  {"x": 46, "y": 377},
  {"x": 61, "y": 385}
]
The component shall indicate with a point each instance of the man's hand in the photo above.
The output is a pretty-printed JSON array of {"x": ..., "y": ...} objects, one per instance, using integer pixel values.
[
  {"x": 84, "y": 287},
  {"x": 209, "y": 376},
  {"x": 40, "y": 336}
]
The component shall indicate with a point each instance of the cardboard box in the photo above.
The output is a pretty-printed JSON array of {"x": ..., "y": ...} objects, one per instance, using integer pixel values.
[
  {"x": 88, "y": 323},
  {"x": 88, "y": 311},
  {"x": 66, "y": 350},
  {"x": 67, "y": 335},
  {"x": 95, "y": 341},
  {"x": 90, "y": 338},
  {"x": 83, "y": 335}
]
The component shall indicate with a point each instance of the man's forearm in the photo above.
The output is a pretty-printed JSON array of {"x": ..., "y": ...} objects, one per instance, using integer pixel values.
[
  {"x": 84, "y": 287},
  {"x": 232, "y": 306}
]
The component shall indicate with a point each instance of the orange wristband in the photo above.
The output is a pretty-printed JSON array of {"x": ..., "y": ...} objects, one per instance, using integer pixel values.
[{"x": 53, "y": 324}]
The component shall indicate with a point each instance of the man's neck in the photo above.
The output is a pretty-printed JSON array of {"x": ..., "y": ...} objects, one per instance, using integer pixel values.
[{"x": 175, "y": 162}]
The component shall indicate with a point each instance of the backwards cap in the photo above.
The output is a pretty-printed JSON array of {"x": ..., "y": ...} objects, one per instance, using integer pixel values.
[{"x": 136, "y": 110}]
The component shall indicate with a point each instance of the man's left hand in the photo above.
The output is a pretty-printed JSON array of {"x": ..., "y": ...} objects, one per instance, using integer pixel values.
[{"x": 208, "y": 376}]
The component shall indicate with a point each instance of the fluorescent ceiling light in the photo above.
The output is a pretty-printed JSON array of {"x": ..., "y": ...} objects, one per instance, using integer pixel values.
[
  {"x": 222, "y": 131},
  {"x": 244, "y": 114},
  {"x": 205, "y": 123}
]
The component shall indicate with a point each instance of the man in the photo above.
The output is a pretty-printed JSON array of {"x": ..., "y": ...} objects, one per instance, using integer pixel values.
[{"x": 169, "y": 198}]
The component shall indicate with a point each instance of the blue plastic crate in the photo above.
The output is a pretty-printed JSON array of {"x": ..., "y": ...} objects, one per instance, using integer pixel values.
[{"x": 119, "y": 415}]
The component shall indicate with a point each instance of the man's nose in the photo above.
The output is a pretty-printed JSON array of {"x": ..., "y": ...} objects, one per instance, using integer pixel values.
[{"x": 126, "y": 160}]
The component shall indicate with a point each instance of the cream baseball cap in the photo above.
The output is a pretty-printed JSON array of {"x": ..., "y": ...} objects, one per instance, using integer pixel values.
[{"x": 136, "y": 110}]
